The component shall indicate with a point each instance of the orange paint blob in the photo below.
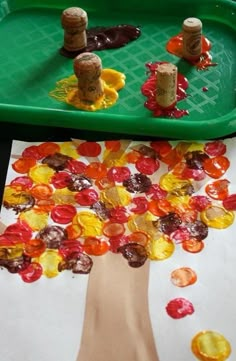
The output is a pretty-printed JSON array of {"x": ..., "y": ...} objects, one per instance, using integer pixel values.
[
  {"x": 96, "y": 170},
  {"x": 23, "y": 165},
  {"x": 41, "y": 191},
  {"x": 193, "y": 246},
  {"x": 34, "y": 247},
  {"x": 175, "y": 46},
  {"x": 183, "y": 277},
  {"x": 217, "y": 166},
  {"x": 139, "y": 237},
  {"x": 112, "y": 229},
  {"x": 94, "y": 246}
]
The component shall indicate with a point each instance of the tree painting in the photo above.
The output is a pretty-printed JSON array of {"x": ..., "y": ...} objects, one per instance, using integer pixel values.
[{"x": 108, "y": 210}]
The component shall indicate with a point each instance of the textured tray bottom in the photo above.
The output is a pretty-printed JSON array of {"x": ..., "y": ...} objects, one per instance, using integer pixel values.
[{"x": 31, "y": 64}]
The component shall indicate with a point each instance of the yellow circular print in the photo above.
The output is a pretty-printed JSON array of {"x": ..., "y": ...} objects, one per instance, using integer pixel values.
[
  {"x": 211, "y": 346},
  {"x": 160, "y": 249},
  {"x": 217, "y": 217},
  {"x": 41, "y": 173}
]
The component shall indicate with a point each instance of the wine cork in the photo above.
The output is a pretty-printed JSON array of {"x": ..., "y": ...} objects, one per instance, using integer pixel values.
[
  {"x": 166, "y": 85},
  {"x": 192, "y": 38},
  {"x": 87, "y": 68},
  {"x": 74, "y": 21}
]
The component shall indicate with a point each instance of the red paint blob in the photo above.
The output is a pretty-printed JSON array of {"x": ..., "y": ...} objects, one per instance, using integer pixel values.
[
  {"x": 147, "y": 165},
  {"x": 215, "y": 148},
  {"x": 175, "y": 46},
  {"x": 60, "y": 180},
  {"x": 118, "y": 214},
  {"x": 179, "y": 308},
  {"x": 89, "y": 149},
  {"x": 118, "y": 174},
  {"x": 141, "y": 205},
  {"x": 148, "y": 89},
  {"x": 24, "y": 181},
  {"x": 75, "y": 166},
  {"x": 63, "y": 213},
  {"x": 229, "y": 203},
  {"x": 32, "y": 273},
  {"x": 86, "y": 197}
]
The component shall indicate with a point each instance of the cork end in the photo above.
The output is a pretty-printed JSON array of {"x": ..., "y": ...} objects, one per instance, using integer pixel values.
[
  {"x": 192, "y": 24},
  {"x": 74, "y": 17},
  {"x": 87, "y": 65}
]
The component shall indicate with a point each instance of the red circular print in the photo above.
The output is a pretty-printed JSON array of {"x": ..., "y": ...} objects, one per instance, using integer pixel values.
[
  {"x": 196, "y": 174},
  {"x": 155, "y": 192},
  {"x": 118, "y": 214},
  {"x": 147, "y": 165},
  {"x": 229, "y": 203},
  {"x": 179, "y": 308},
  {"x": 89, "y": 149},
  {"x": 32, "y": 273},
  {"x": 161, "y": 147},
  {"x": 118, "y": 174},
  {"x": 48, "y": 148},
  {"x": 63, "y": 213},
  {"x": 5, "y": 241},
  {"x": 86, "y": 197},
  {"x": 215, "y": 148},
  {"x": 32, "y": 152},
  {"x": 24, "y": 181},
  {"x": 199, "y": 203},
  {"x": 116, "y": 242},
  {"x": 113, "y": 145},
  {"x": 141, "y": 205},
  {"x": 180, "y": 235},
  {"x": 69, "y": 247},
  {"x": 60, "y": 180},
  {"x": 20, "y": 230},
  {"x": 75, "y": 166}
]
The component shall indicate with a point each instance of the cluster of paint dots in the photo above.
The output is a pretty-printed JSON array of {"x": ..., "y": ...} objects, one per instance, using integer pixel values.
[{"x": 76, "y": 200}]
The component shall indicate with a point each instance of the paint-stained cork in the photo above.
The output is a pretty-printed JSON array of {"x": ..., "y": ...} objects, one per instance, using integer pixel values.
[
  {"x": 74, "y": 21},
  {"x": 87, "y": 68},
  {"x": 166, "y": 85},
  {"x": 192, "y": 38}
]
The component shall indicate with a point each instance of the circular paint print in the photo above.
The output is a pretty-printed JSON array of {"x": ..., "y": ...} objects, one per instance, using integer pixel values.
[
  {"x": 179, "y": 308},
  {"x": 210, "y": 346},
  {"x": 182, "y": 277}
]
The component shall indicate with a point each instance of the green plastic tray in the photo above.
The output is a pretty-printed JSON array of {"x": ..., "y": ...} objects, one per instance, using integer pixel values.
[{"x": 30, "y": 65}]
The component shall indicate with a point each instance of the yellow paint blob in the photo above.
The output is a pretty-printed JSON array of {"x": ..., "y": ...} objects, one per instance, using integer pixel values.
[
  {"x": 160, "y": 249},
  {"x": 114, "y": 159},
  {"x": 170, "y": 183},
  {"x": 49, "y": 260},
  {"x": 144, "y": 223},
  {"x": 69, "y": 149},
  {"x": 63, "y": 196},
  {"x": 12, "y": 196},
  {"x": 11, "y": 252},
  {"x": 217, "y": 217},
  {"x": 67, "y": 91},
  {"x": 91, "y": 225},
  {"x": 115, "y": 196},
  {"x": 41, "y": 173},
  {"x": 36, "y": 219},
  {"x": 211, "y": 346},
  {"x": 196, "y": 147}
]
